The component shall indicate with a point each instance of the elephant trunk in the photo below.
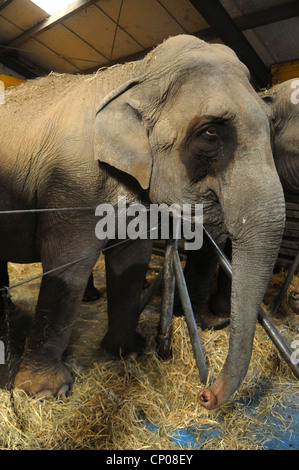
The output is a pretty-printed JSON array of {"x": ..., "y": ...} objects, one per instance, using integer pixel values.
[{"x": 254, "y": 217}]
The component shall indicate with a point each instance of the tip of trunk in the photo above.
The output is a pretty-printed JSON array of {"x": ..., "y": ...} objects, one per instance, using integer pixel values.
[
  {"x": 223, "y": 388},
  {"x": 208, "y": 399}
]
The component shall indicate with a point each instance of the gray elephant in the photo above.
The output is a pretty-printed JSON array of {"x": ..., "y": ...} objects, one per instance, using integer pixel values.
[
  {"x": 283, "y": 100},
  {"x": 182, "y": 125}
]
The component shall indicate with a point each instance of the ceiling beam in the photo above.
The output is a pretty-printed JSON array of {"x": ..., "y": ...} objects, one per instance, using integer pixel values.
[
  {"x": 227, "y": 30},
  {"x": 9, "y": 56},
  {"x": 22, "y": 66},
  {"x": 49, "y": 22},
  {"x": 268, "y": 16},
  {"x": 245, "y": 22},
  {"x": 5, "y": 3},
  {"x": 258, "y": 18}
]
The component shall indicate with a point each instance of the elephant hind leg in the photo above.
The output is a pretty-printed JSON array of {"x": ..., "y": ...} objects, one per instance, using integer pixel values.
[
  {"x": 41, "y": 370},
  {"x": 91, "y": 293},
  {"x": 126, "y": 267}
]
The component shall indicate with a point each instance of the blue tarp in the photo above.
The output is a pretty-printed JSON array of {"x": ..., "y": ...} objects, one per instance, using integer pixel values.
[{"x": 273, "y": 435}]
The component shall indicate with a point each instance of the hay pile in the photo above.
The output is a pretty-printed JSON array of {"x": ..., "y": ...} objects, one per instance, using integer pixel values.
[{"x": 152, "y": 404}]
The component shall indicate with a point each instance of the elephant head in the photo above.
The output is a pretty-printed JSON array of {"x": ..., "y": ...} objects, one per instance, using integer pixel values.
[
  {"x": 191, "y": 129},
  {"x": 283, "y": 100}
]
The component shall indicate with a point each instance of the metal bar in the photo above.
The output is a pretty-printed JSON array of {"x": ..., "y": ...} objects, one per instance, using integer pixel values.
[
  {"x": 165, "y": 327},
  {"x": 151, "y": 291},
  {"x": 279, "y": 341},
  {"x": 286, "y": 283},
  {"x": 52, "y": 20},
  {"x": 5, "y": 4},
  {"x": 192, "y": 327},
  {"x": 223, "y": 260},
  {"x": 263, "y": 318}
]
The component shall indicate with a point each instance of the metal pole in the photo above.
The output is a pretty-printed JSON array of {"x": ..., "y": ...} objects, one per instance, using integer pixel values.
[
  {"x": 193, "y": 332},
  {"x": 286, "y": 283},
  {"x": 279, "y": 341},
  {"x": 165, "y": 327},
  {"x": 151, "y": 291},
  {"x": 263, "y": 318}
]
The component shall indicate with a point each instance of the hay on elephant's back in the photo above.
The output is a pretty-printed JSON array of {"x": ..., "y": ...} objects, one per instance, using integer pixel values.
[{"x": 115, "y": 405}]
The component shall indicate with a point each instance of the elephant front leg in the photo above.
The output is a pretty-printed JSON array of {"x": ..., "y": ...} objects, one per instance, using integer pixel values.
[
  {"x": 126, "y": 267},
  {"x": 42, "y": 371}
]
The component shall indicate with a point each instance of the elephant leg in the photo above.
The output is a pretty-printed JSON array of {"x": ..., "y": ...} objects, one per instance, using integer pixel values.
[
  {"x": 4, "y": 282},
  {"x": 41, "y": 370},
  {"x": 91, "y": 293},
  {"x": 199, "y": 273},
  {"x": 220, "y": 301},
  {"x": 126, "y": 267}
]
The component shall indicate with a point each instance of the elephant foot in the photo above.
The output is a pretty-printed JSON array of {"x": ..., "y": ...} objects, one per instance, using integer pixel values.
[
  {"x": 206, "y": 319},
  {"x": 127, "y": 348},
  {"x": 91, "y": 294},
  {"x": 44, "y": 382},
  {"x": 293, "y": 301}
]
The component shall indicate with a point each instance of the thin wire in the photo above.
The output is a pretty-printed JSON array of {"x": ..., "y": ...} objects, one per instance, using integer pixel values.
[
  {"x": 53, "y": 209},
  {"x": 76, "y": 260},
  {"x": 116, "y": 28},
  {"x": 55, "y": 269},
  {"x": 66, "y": 265},
  {"x": 53, "y": 53},
  {"x": 173, "y": 17}
]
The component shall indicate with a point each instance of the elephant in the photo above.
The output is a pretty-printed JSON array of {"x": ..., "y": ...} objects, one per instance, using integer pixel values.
[
  {"x": 284, "y": 104},
  {"x": 284, "y": 101},
  {"x": 183, "y": 125},
  {"x": 200, "y": 267}
]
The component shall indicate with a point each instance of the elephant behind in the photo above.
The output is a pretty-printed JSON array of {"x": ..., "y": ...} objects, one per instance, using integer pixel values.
[{"x": 283, "y": 101}]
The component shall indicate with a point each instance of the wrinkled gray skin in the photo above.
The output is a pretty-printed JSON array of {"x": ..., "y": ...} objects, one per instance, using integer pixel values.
[
  {"x": 183, "y": 125},
  {"x": 285, "y": 137}
]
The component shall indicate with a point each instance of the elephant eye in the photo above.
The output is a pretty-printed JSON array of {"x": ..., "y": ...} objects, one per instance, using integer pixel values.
[
  {"x": 211, "y": 133},
  {"x": 206, "y": 140}
]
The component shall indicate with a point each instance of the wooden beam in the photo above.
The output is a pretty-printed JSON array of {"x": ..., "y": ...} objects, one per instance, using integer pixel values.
[
  {"x": 226, "y": 29},
  {"x": 268, "y": 16},
  {"x": 22, "y": 66},
  {"x": 5, "y": 3},
  {"x": 258, "y": 18},
  {"x": 71, "y": 9}
]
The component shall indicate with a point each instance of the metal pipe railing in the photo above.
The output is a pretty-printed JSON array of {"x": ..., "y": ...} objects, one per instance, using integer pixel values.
[{"x": 271, "y": 330}]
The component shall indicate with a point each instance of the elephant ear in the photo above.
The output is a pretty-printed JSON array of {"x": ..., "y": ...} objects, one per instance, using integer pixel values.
[{"x": 120, "y": 136}]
